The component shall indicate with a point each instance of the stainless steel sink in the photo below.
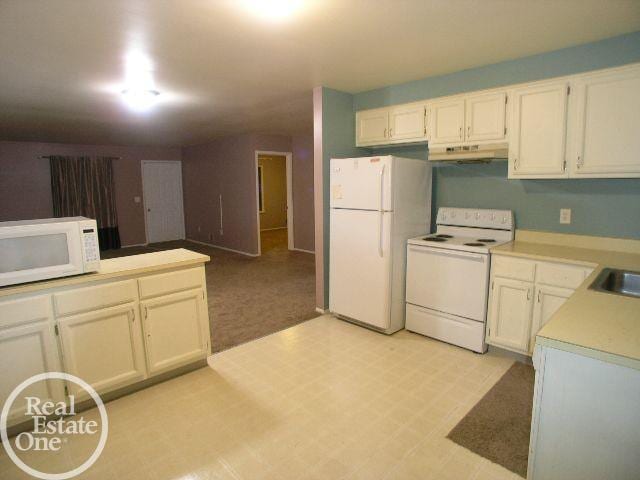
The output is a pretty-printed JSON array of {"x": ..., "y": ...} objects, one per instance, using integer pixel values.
[{"x": 619, "y": 282}]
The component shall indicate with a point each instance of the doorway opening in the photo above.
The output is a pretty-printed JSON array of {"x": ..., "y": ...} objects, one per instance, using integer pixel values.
[{"x": 274, "y": 195}]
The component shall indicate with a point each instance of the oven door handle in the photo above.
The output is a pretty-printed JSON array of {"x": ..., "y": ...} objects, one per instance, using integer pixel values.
[{"x": 449, "y": 253}]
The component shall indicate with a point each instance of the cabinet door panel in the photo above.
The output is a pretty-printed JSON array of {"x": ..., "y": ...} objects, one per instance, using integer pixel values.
[
  {"x": 104, "y": 348},
  {"x": 27, "y": 350},
  {"x": 447, "y": 122},
  {"x": 607, "y": 140},
  {"x": 407, "y": 123},
  {"x": 174, "y": 330},
  {"x": 548, "y": 301},
  {"x": 510, "y": 314},
  {"x": 537, "y": 141},
  {"x": 485, "y": 117},
  {"x": 372, "y": 127}
]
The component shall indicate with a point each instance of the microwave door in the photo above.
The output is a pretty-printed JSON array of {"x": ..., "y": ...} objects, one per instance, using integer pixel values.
[{"x": 34, "y": 252}]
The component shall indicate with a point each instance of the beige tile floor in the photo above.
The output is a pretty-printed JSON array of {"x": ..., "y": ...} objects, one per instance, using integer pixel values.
[{"x": 322, "y": 400}]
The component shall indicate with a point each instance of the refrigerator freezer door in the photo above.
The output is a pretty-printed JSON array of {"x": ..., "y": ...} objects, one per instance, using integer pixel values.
[
  {"x": 361, "y": 183},
  {"x": 360, "y": 266}
]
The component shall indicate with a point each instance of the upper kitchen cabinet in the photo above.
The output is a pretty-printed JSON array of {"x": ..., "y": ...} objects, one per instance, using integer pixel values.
[
  {"x": 407, "y": 123},
  {"x": 537, "y": 140},
  {"x": 447, "y": 121},
  {"x": 606, "y": 138},
  {"x": 468, "y": 119},
  {"x": 372, "y": 127},
  {"x": 485, "y": 117},
  {"x": 386, "y": 126}
]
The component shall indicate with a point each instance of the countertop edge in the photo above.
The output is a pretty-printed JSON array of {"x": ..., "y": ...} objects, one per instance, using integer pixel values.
[
  {"x": 588, "y": 352},
  {"x": 197, "y": 259}
]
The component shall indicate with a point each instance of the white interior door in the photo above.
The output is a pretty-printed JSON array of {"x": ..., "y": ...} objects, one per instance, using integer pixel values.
[
  {"x": 162, "y": 187},
  {"x": 360, "y": 266}
]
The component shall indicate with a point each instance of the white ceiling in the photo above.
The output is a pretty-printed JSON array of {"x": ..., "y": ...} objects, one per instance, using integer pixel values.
[{"x": 223, "y": 69}]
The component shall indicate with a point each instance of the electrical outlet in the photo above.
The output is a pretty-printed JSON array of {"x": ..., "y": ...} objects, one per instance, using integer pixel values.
[{"x": 565, "y": 216}]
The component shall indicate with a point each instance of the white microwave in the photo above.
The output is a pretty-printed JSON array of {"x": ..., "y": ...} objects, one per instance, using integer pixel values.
[{"x": 32, "y": 250}]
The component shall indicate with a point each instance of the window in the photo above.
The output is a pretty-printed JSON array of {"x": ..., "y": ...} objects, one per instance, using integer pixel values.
[{"x": 260, "y": 190}]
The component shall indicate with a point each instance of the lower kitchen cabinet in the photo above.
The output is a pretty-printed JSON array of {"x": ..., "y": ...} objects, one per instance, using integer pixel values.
[
  {"x": 175, "y": 329},
  {"x": 524, "y": 296},
  {"x": 27, "y": 347},
  {"x": 548, "y": 300},
  {"x": 510, "y": 314},
  {"x": 103, "y": 347}
]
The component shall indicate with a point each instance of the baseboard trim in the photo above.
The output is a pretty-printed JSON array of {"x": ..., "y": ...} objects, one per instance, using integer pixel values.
[
  {"x": 134, "y": 245},
  {"x": 223, "y": 248},
  {"x": 303, "y": 250}
]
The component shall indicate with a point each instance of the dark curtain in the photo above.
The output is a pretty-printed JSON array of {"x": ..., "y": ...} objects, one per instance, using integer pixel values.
[{"x": 83, "y": 186}]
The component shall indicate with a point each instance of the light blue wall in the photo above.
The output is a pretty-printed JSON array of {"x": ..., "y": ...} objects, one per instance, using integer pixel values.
[
  {"x": 338, "y": 140},
  {"x": 599, "y": 206},
  {"x": 606, "y": 53}
]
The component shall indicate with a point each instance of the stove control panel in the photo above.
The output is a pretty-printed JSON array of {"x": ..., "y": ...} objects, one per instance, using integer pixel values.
[{"x": 476, "y": 217}]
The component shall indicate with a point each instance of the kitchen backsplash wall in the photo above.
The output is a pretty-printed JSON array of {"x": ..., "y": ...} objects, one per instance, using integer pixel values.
[{"x": 603, "y": 207}]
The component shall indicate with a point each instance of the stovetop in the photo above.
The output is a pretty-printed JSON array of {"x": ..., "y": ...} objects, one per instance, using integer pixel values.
[
  {"x": 472, "y": 243},
  {"x": 470, "y": 230}
]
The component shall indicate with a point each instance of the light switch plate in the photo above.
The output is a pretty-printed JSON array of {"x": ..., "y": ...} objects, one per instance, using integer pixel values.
[{"x": 565, "y": 216}]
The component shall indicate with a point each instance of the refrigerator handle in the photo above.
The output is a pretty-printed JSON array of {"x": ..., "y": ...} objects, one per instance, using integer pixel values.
[{"x": 381, "y": 212}]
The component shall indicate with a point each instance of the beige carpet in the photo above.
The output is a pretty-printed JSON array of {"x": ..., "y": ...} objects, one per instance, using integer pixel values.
[
  {"x": 250, "y": 297},
  {"x": 498, "y": 426}
]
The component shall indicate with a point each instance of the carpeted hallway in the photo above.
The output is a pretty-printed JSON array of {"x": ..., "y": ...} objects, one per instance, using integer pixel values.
[{"x": 250, "y": 297}]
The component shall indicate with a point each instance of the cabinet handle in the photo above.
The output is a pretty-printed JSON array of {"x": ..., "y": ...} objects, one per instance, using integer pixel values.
[
  {"x": 468, "y": 131},
  {"x": 538, "y": 296},
  {"x": 515, "y": 164},
  {"x": 528, "y": 294},
  {"x": 132, "y": 315},
  {"x": 460, "y": 133},
  {"x": 391, "y": 133},
  {"x": 385, "y": 133},
  {"x": 579, "y": 161}
]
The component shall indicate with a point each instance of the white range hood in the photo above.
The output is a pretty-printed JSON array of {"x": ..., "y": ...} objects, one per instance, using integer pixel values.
[{"x": 470, "y": 153}]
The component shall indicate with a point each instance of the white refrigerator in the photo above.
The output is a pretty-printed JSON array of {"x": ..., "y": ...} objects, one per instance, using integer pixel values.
[{"x": 376, "y": 205}]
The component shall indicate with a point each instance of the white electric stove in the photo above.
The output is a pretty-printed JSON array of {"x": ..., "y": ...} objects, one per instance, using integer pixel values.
[{"x": 448, "y": 275}]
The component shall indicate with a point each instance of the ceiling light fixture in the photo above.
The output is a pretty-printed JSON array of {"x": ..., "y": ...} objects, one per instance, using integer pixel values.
[
  {"x": 274, "y": 9},
  {"x": 140, "y": 99},
  {"x": 139, "y": 91}
]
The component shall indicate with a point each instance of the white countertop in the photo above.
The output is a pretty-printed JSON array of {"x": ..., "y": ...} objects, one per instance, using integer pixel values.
[
  {"x": 597, "y": 324},
  {"x": 117, "y": 267}
]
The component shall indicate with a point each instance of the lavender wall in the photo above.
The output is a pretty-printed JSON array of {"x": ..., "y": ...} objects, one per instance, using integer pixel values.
[
  {"x": 226, "y": 167},
  {"x": 25, "y": 184},
  {"x": 303, "y": 215}
]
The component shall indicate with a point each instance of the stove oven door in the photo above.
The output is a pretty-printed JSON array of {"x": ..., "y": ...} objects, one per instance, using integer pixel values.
[{"x": 449, "y": 281}]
